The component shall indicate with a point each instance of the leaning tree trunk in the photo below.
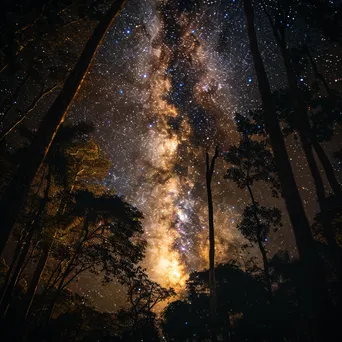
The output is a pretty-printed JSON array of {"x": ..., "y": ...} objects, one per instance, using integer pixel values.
[
  {"x": 31, "y": 291},
  {"x": 328, "y": 169},
  {"x": 8, "y": 291},
  {"x": 13, "y": 263},
  {"x": 302, "y": 119},
  {"x": 212, "y": 282},
  {"x": 311, "y": 264},
  {"x": 318, "y": 75},
  {"x": 68, "y": 270},
  {"x": 16, "y": 193},
  {"x": 328, "y": 230},
  {"x": 304, "y": 127},
  {"x": 308, "y": 141}
]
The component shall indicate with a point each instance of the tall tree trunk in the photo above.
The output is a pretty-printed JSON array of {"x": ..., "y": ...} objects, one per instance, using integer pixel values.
[
  {"x": 45, "y": 255},
  {"x": 8, "y": 103},
  {"x": 42, "y": 261},
  {"x": 13, "y": 263},
  {"x": 318, "y": 75},
  {"x": 328, "y": 169},
  {"x": 31, "y": 292},
  {"x": 304, "y": 127},
  {"x": 320, "y": 193},
  {"x": 302, "y": 119},
  {"x": 68, "y": 270},
  {"x": 313, "y": 273},
  {"x": 16, "y": 193},
  {"x": 307, "y": 141},
  {"x": 212, "y": 282},
  {"x": 260, "y": 244},
  {"x": 8, "y": 292}
]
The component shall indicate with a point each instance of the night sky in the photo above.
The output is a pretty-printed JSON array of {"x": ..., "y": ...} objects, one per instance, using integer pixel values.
[{"x": 163, "y": 90}]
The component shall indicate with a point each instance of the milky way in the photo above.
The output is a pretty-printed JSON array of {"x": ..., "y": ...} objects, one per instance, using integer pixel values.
[{"x": 162, "y": 92}]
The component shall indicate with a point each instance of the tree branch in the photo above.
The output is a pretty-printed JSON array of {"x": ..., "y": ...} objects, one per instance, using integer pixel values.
[{"x": 32, "y": 107}]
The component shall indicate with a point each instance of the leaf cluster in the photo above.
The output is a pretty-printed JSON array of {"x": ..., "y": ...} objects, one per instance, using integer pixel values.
[{"x": 269, "y": 218}]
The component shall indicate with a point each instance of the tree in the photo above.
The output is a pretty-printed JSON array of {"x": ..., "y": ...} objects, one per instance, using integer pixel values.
[
  {"x": 312, "y": 269},
  {"x": 301, "y": 122},
  {"x": 180, "y": 314},
  {"x": 16, "y": 193},
  {"x": 77, "y": 164},
  {"x": 323, "y": 115},
  {"x": 255, "y": 225},
  {"x": 41, "y": 200},
  {"x": 210, "y": 166},
  {"x": 279, "y": 24},
  {"x": 105, "y": 239},
  {"x": 252, "y": 161},
  {"x": 30, "y": 231},
  {"x": 239, "y": 297},
  {"x": 143, "y": 294}
]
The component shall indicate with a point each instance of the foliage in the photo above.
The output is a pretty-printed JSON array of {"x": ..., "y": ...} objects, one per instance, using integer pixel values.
[
  {"x": 268, "y": 218},
  {"x": 244, "y": 310},
  {"x": 251, "y": 160}
]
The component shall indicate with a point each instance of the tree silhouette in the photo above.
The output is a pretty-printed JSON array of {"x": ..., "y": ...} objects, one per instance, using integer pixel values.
[
  {"x": 16, "y": 193},
  {"x": 252, "y": 161},
  {"x": 100, "y": 241},
  {"x": 279, "y": 24},
  {"x": 323, "y": 116},
  {"x": 40, "y": 200},
  {"x": 312, "y": 269},
  {"x": 143, "y": 296},
  {"x": 210, "y": 166}
]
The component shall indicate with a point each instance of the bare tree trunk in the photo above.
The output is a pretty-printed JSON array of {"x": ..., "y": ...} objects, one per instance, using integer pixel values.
[
  {"x": 313, "y": 273},
  {"x": 212, "y": 282},
  {"x": 16, "y": 193}
]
